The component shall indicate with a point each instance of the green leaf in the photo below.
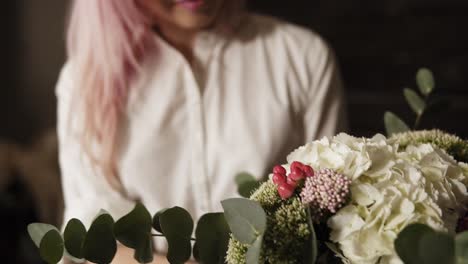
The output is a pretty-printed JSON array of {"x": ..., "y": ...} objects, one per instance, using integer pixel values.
[
  {"x": 196, "y": 253},
  {"x": 246, "y": 219},
  {"x": 436, "y": 248},
  {"x": 144, "y": 250},
  {"x": 100, "y": 245},
  {"x": 51, "y": 247},
  {"x": 394, "y": 125},
  {"x": 244, "y": 177},
  {"x": 177, "y": 226},
  {"x": 74, "y": 236},
  {"x": 134, "y": 231},
  {"x": 156, "y": 222},
  {"x": 461, "y": 248},
  {"x": 212, "y": 235},
  {"x": 425, "y": 81},
  {"x": 415, "y": 101},
  {"x": 247, "y": 188},
  {"x": 134, "y": 227},
  {"x": 311, "y": 250},
  {"x": 254, "y": 250},
  {"x": 38, "y": 230},
  {"x": 407, "y": 243}
]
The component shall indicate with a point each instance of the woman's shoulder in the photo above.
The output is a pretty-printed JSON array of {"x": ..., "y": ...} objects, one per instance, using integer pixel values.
[{"x": 276, "y": 31}]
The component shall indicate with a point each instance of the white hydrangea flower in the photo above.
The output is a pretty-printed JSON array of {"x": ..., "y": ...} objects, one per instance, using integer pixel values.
[{"x": 390, "y": 189}]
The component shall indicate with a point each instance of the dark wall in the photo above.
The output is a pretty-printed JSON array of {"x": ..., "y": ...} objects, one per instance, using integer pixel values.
[{"x": 381, "y": 44}]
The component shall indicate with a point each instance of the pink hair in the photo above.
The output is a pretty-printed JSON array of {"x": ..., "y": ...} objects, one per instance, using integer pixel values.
[{"x": 106, "y": 42}]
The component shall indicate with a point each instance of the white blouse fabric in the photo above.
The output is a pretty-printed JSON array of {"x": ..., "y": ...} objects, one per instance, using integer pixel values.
[{"x": 243, "y": 105}]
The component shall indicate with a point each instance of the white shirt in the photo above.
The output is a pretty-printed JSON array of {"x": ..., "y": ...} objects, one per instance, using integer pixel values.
[{"x": 245, "y": 104}]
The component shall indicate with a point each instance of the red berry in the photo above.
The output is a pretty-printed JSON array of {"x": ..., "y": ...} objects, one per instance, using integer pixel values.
[
  {"x": 279, "y": 179},
  {"x": 296, "y": 164},
  {"x": 279, "y": 170},
  {"x": 291, "y": 182},
  {"x": 285, "y": 191},
  {"x": 297, "y": 174},
  {"x": 308, "y": 171}
]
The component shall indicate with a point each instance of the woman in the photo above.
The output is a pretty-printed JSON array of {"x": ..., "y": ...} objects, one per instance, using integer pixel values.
[{"x": 163, "y": 101}]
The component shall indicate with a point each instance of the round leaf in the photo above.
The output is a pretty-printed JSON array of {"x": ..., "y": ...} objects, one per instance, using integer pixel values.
[
  {"x": 156, "y": 222},
  {"x": 133, "y": 229},
  {"x": 246, "y": 219},
  {"x": 425, "y": 80},
  {"x": 415, "y": 101},
  {"x": 254, "y": 250},
  {"x": 394, "y": 125},
  {"x": 246, "y": 189},
  {"x": 461, "y": 248},
  {"x": 51, "y": 247},
  {"x": 38, "y": 230},
  {"x": 436, "y": 248},
  {"x": 177, "y": 226},
  {"x": 144, "y": 251},
  {"x": 407, "y": 243},
  {"x": 74, "y": 236},
  {"x": 244, "y": 177},
  {"x": 100, "y": 245},
  {"x": 212, "y": 235}
]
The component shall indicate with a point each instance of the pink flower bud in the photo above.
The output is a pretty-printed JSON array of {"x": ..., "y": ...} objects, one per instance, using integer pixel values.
[
  {"x": 285, "y": 191},
  {"x": 279, "y": 170}
]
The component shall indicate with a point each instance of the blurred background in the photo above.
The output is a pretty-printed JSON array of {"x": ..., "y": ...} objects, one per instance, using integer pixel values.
[{"x": 380, "y": 46}]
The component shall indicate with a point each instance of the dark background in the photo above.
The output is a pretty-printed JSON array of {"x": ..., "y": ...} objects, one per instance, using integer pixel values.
[{"x": 380, "y": 46}]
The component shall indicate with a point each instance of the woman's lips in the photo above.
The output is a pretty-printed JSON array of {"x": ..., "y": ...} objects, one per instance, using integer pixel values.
[{"x": 192, "y": 5}]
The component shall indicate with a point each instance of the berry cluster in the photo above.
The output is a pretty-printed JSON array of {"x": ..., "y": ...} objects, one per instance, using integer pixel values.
[
  {"x": 326, "y": 192},
  {"x": 287, "y": 184}
]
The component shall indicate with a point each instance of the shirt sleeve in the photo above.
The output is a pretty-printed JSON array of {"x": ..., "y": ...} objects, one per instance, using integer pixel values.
[
  {"x": 324, "y": 111},
  {"x": 85, "y": 190}
]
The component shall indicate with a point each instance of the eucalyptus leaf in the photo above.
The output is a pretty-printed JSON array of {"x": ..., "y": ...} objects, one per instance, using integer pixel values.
[
  {"x": 415, "y": 101},
  {"x": 156, "y": 222},
  {"x": 212, "y": 235},
  {"x": 51, "y": 247},
  {"x": 425, "y": 81},
  {"x": 436, "y": 248},
  {"x": 196, "y": 252},
  {"x": 394, "y": 125},
  {"x": 74, "y": 236},
  {"x": 134, "y": 231},
  {"x": 177, "y": 226},
  {"x": 253, "y": 252},
  {"x": 461, "y": 248},
  {"x": 100, "y": 245},
  {"x": 246, "y": 219},
  {"x": 246, "y": 189},
  {"x": 407, "y": 243},
  {"x": 144, "y": 251},
  {"x": 38, "y": 230},
  {"x": 134, "y": 228},
  {"x": 244, "y": 177}
]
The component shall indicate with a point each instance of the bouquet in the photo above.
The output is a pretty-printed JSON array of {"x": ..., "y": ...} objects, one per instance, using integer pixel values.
[{"x": 344, "y": 199}]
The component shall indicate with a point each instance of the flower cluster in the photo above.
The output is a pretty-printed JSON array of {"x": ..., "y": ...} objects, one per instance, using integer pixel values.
[
  {"x": 326, "y": 192},
  {"x": 391, "y": 188},
  {"x": 287, "y": 184},
  {"x": 367, "y": 189}
]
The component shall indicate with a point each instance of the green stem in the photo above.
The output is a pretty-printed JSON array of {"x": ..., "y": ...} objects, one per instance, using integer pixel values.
[{"x": 418, "y": 120}]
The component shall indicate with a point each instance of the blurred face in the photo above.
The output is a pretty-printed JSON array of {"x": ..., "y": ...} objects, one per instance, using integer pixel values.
[{"x": 184, "y": 14}]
